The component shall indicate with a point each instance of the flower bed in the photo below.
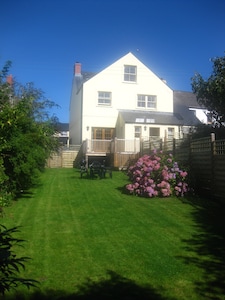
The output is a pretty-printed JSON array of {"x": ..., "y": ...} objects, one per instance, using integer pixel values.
[{"x": 157, "y": 174}]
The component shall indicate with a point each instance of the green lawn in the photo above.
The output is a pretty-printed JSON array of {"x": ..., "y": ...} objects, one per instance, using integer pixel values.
[{"x": 89, "y": 240}]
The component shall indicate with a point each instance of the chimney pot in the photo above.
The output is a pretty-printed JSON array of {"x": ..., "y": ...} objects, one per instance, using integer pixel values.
[{"x": 77, "y": 68}]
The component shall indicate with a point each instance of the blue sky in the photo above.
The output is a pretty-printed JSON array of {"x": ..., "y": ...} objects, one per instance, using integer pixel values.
[{"x": 44, "y": 38}]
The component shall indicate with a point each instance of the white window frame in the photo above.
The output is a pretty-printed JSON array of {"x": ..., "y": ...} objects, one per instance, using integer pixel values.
[
  {"x": 171, "y": 132},
  {"x": 130, "y": 73},
  {"x": 141, "y": 100},
  {"x": 154, "y": 128},
  {"x": 104, "y": 98},
  {"x": 147, "y": 101},
  {"x": 137, "y": 131},
  {"x": 151, "y": 101}
]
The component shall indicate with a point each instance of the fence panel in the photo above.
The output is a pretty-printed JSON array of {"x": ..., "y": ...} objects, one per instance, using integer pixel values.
[
  {"x": 220, "y": 147},
  {"x": 127, "y": 146},
  {"x": 63, "y": 159},
  {"x": 201, "y": 145},
  {"x": 219, "y": 175},
  {"x": 99, "y": 146},
  {"x": 68, "y": 158},
  {"x": 55, "y": 161},
  {"x": 201, "y": 168},
  {"x": 182, "y": 155},
  {"x": 124, "y": 160},
  {"x": 151, "y": 144}
]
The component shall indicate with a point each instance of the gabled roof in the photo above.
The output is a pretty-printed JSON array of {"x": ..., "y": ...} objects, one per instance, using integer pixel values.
[
  {"x": 150, "y": 117},
  {"x": 127, "y": 59}
]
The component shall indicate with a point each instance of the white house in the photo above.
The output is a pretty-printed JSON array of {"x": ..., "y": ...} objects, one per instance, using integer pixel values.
[
  {"x": 100, "y": 104},
  {"x": 124, "y": 104}
]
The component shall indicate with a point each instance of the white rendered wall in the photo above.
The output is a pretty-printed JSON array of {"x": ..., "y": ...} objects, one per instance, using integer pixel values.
[{"x": 124, "y": 94}]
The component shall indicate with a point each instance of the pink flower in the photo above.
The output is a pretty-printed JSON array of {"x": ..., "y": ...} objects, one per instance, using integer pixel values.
[
  {"x": 183, "y": 174},
  {"x": 150, "y": 191},
  {"x": 136, "y": 185},
  {"x": 147, "y": 172},
  {"x": 166, "y": 192},
  {"x": 130, "y": 187},
  {"x": 157, "y": 167}
]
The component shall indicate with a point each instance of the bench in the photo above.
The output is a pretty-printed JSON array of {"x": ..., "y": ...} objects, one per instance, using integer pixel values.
[
  {"x": 97, "y": 168},
  {"x": 107, "y": 170},
  {"x": 83, "y": 168}
]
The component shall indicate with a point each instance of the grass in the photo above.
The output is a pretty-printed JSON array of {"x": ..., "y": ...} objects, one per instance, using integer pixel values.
[{"x": 89, "y": 240}]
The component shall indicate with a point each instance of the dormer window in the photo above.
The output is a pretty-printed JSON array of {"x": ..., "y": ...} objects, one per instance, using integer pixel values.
[{"x": 130, "y": 73}]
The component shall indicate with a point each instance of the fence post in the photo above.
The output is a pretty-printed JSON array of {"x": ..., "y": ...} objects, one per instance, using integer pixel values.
[
  {"x": 190, "y": 148},
  {"x": 213, "y": 139},
  {"x": 174, "y": 147},
  {"x": 213, "y": 152},
  {"x": 115, "y": 153},
  {"x": 141, "y": 146},
  {"x": 115, "y": 145}
]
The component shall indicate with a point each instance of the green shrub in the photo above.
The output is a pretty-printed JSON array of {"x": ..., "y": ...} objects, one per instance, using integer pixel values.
[
  {"x": 10, "y": 264},
  {"x": 157, "y": 174}
]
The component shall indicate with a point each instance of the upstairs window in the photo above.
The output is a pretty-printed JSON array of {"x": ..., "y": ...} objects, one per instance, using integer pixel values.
[
  {"x": 104, "y": 98},
  {"x": 147, "y": 101},
  {"x": 151, "y": 101},
  {"x": 130, "y": 73},
  {"x": 141, "y": 101}
]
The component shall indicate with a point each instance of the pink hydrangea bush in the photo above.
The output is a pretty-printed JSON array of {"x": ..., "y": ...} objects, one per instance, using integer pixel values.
[{"x": 157, "y": 174}]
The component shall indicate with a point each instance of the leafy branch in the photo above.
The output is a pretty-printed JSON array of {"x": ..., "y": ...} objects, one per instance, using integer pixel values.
[{"x": 10, "y": 264}]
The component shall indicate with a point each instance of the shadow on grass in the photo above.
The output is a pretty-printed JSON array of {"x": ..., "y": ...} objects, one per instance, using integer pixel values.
[
  {"x": 24, "y": 195},
  {"x": 208, "y": 247},
  {"x": 116, "y": 287}
]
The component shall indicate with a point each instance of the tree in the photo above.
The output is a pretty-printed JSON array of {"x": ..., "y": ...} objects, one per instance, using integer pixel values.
[
  {"x": 26, "y": 135},
  {"x": 211, "y": 92},
  {"x": 10, "y": 263}
]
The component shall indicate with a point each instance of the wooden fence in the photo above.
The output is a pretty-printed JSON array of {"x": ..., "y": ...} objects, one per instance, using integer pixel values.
[
  {"x": 63, "y": 159},
  {"x": 205, "y": 158},
  {"x": 123, "y": 160}
]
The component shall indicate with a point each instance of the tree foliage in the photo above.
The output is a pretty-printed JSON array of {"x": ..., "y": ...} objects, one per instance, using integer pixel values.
[
  {"x": 211, "y": 92},
  {"x": 26, "y": 135},
  {"x": 10, "y": 263},
  {"x": 204, "y": 130}
]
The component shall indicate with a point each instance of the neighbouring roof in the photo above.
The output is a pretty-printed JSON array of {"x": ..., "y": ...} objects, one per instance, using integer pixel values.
[
  {"x": 150, "y": 117},
  {"x": 187, "y": 99},
  {"x": 80, "y": 80},
  {"x": 182, "y": 102},
  {"x": 88, "y": 75},
  {"x": 63, "y": 127}
]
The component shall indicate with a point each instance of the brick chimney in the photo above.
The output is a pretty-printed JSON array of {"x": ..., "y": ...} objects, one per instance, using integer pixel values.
[
  {"x": 77, "y": 68},
  {"x": 9, "y": 79}
]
